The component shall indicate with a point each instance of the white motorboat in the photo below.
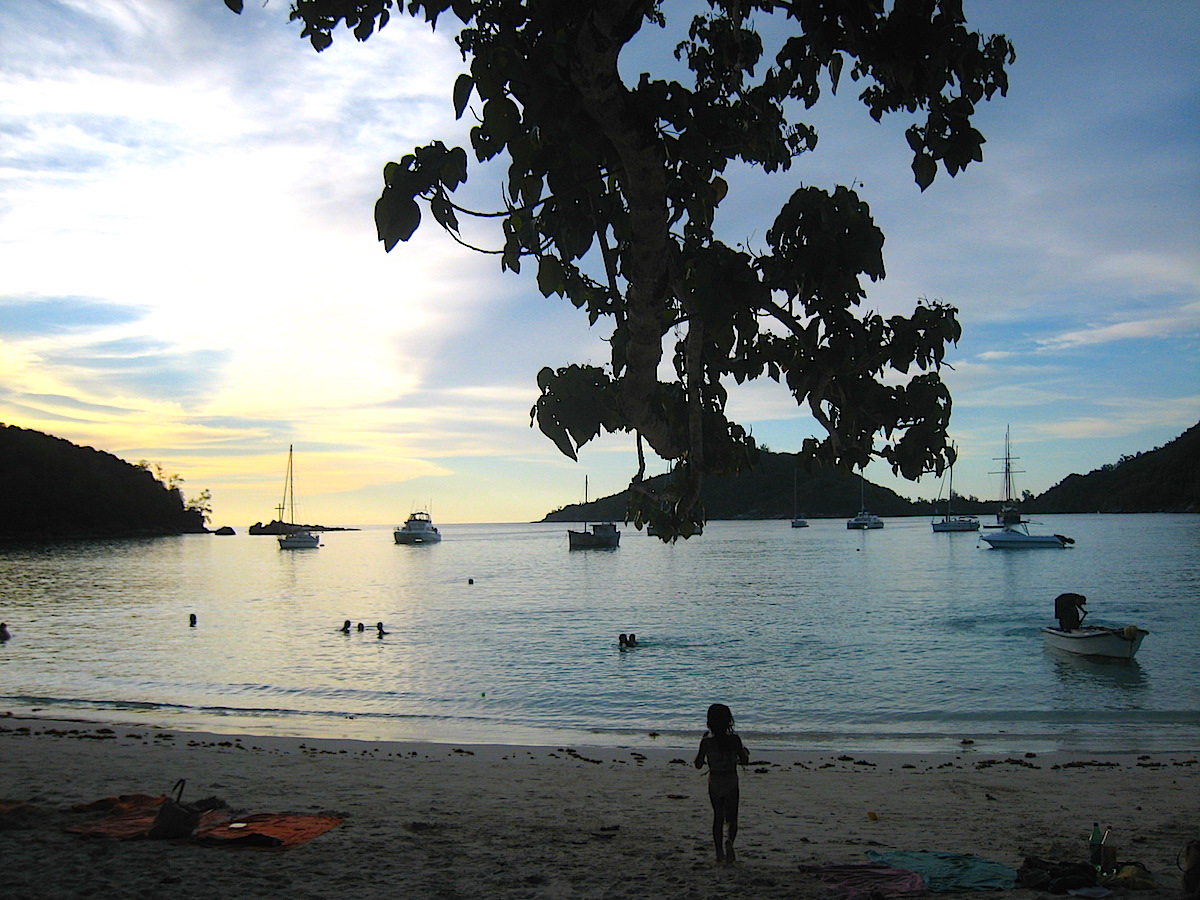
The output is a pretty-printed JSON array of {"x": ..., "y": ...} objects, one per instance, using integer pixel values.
[
  {"x": 950, "y": 522},
  {"x": 864, "y": 519},
  {"x": 418, "y": 528},
  {"x": 296, "y": 538},
  {"x": 1017, "y": 537},
  {"x": 1012, "y": 530},
  {"x": 1096, "y": 640},
  {"x": 603, "y": 536}
]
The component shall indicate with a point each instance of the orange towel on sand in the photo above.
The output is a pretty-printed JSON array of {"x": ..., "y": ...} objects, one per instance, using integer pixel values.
[
  {"x": 279, "y": 830},
  {"x": 130, "y": 816}
]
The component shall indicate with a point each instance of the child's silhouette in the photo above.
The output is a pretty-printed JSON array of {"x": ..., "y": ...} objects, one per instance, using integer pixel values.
[{"x": 722, "y": 749}]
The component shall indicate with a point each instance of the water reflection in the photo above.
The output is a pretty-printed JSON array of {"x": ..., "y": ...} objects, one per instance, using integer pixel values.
[{"x": 1076, "y": 671}]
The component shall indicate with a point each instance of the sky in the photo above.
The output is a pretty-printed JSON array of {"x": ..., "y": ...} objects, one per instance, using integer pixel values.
[{"x": 189, "y": 271}]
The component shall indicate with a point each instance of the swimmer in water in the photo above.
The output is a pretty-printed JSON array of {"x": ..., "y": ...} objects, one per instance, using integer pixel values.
[
  {"x": 362, "y": 627},
  {"x": 632, "y": 640},
  {"x": 379, "y": 628},
  {"x": 192, "y": 620},
  {"x": 5, "y": 634},
  {"x": 345, "y": 629}
]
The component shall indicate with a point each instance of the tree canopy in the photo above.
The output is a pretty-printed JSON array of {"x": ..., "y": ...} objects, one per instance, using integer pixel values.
[{"x": 612, "y": 190}]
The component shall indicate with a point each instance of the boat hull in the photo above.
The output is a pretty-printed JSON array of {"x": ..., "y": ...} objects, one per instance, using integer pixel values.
[
  {"x": 1016, "y": 540},
  {"x": 300, "y": 540},
  {"x": 1116, "y": 643},
  {"x": 601, "y": 537},
  {"x": 957, "y": 523},
  {"x": 416, "y": 537}
]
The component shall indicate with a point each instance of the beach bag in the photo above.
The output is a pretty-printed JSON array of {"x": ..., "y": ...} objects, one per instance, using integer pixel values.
[
  {"x": 175, "y": 818},
  {"x": 1056, "y": 877}
]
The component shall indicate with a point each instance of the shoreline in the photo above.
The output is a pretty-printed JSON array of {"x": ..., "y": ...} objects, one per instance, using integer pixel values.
[
  {"x": 466, "y": 819},
  {"x": 1180, "y": 739}
]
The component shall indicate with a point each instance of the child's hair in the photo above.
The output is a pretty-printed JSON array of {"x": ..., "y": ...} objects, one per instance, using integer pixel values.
[{"x": 720, "y": 719}]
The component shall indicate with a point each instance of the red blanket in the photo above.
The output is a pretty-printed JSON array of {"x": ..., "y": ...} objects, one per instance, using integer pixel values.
[{"x": 282, "y": 830}]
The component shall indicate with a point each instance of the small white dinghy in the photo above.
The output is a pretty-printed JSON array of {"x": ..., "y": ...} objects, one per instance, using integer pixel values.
[
  {"x": 1095, "y": 640},
  {"x": 1073, "y": 636}
]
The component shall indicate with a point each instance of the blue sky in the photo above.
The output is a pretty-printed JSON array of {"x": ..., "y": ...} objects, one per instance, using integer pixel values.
[{"x": 191, "y": 276}]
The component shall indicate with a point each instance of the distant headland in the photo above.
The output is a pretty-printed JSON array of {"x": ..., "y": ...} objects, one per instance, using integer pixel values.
[
  {"x": 55, "y": 490},
  {"x": 1166, "y": 479}
]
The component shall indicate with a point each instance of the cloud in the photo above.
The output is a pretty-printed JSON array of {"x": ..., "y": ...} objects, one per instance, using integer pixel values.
[
  {"x": 193, "y": 276},
  {"x": 1184, "y": 323},
  {"x": 33, "y": 317}
]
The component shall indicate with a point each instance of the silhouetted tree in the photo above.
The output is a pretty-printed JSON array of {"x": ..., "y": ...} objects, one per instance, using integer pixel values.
[{"x": 611, "y": 195}]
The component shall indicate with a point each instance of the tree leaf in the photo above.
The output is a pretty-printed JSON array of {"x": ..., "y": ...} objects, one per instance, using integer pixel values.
[
  {"x": 500, "y": 118},
  {"x": 463, "y": 86},
  {"x": 924, "y": 168},
  {"x": 396, "y": 218},
  {"x": 550, "y": 276}
]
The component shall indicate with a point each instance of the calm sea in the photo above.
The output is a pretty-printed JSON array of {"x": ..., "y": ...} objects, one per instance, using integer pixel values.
[{"x": 817, "y": 637}]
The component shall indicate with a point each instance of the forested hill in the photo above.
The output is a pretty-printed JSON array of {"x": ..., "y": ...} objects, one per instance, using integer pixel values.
[
  {"x": 51, "y": 488},
  {"x": 765, "y": 492},
  {"x": 1166, "y": 479},
  {"x": 1163, "y": 480}
]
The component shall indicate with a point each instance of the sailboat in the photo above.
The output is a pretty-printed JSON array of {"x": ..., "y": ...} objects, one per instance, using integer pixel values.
[
  {"x": 299, "y": 538},
  {"x": 864, "y": 519},
  {"x": 951, "y": 522},
  {"x": 1013, "y": 531},
  {"x": 798, "y": 521},
  {"x": 603, "y": 536}
]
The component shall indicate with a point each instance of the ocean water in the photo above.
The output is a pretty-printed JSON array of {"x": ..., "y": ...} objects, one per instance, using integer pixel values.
[{"x": 817, "y": 638}]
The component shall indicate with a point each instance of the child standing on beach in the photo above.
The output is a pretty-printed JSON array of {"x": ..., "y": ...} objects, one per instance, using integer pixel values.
[{"x": 722, "y": 749}]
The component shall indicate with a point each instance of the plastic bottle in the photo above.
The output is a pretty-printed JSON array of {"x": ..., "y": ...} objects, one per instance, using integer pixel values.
[{"x": 1094, "y": 844}]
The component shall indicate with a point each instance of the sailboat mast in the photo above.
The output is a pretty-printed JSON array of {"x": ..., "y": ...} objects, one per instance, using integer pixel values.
[
  {"x": 1008, "y": 468},
  {"x": 291, "y": 487},
  {"x": 289, "y": 497},
  {"x": 950, "y": 485}
]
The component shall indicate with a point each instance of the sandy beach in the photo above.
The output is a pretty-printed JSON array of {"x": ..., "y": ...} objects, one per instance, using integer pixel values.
[{"x": 432, "y": 820}]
